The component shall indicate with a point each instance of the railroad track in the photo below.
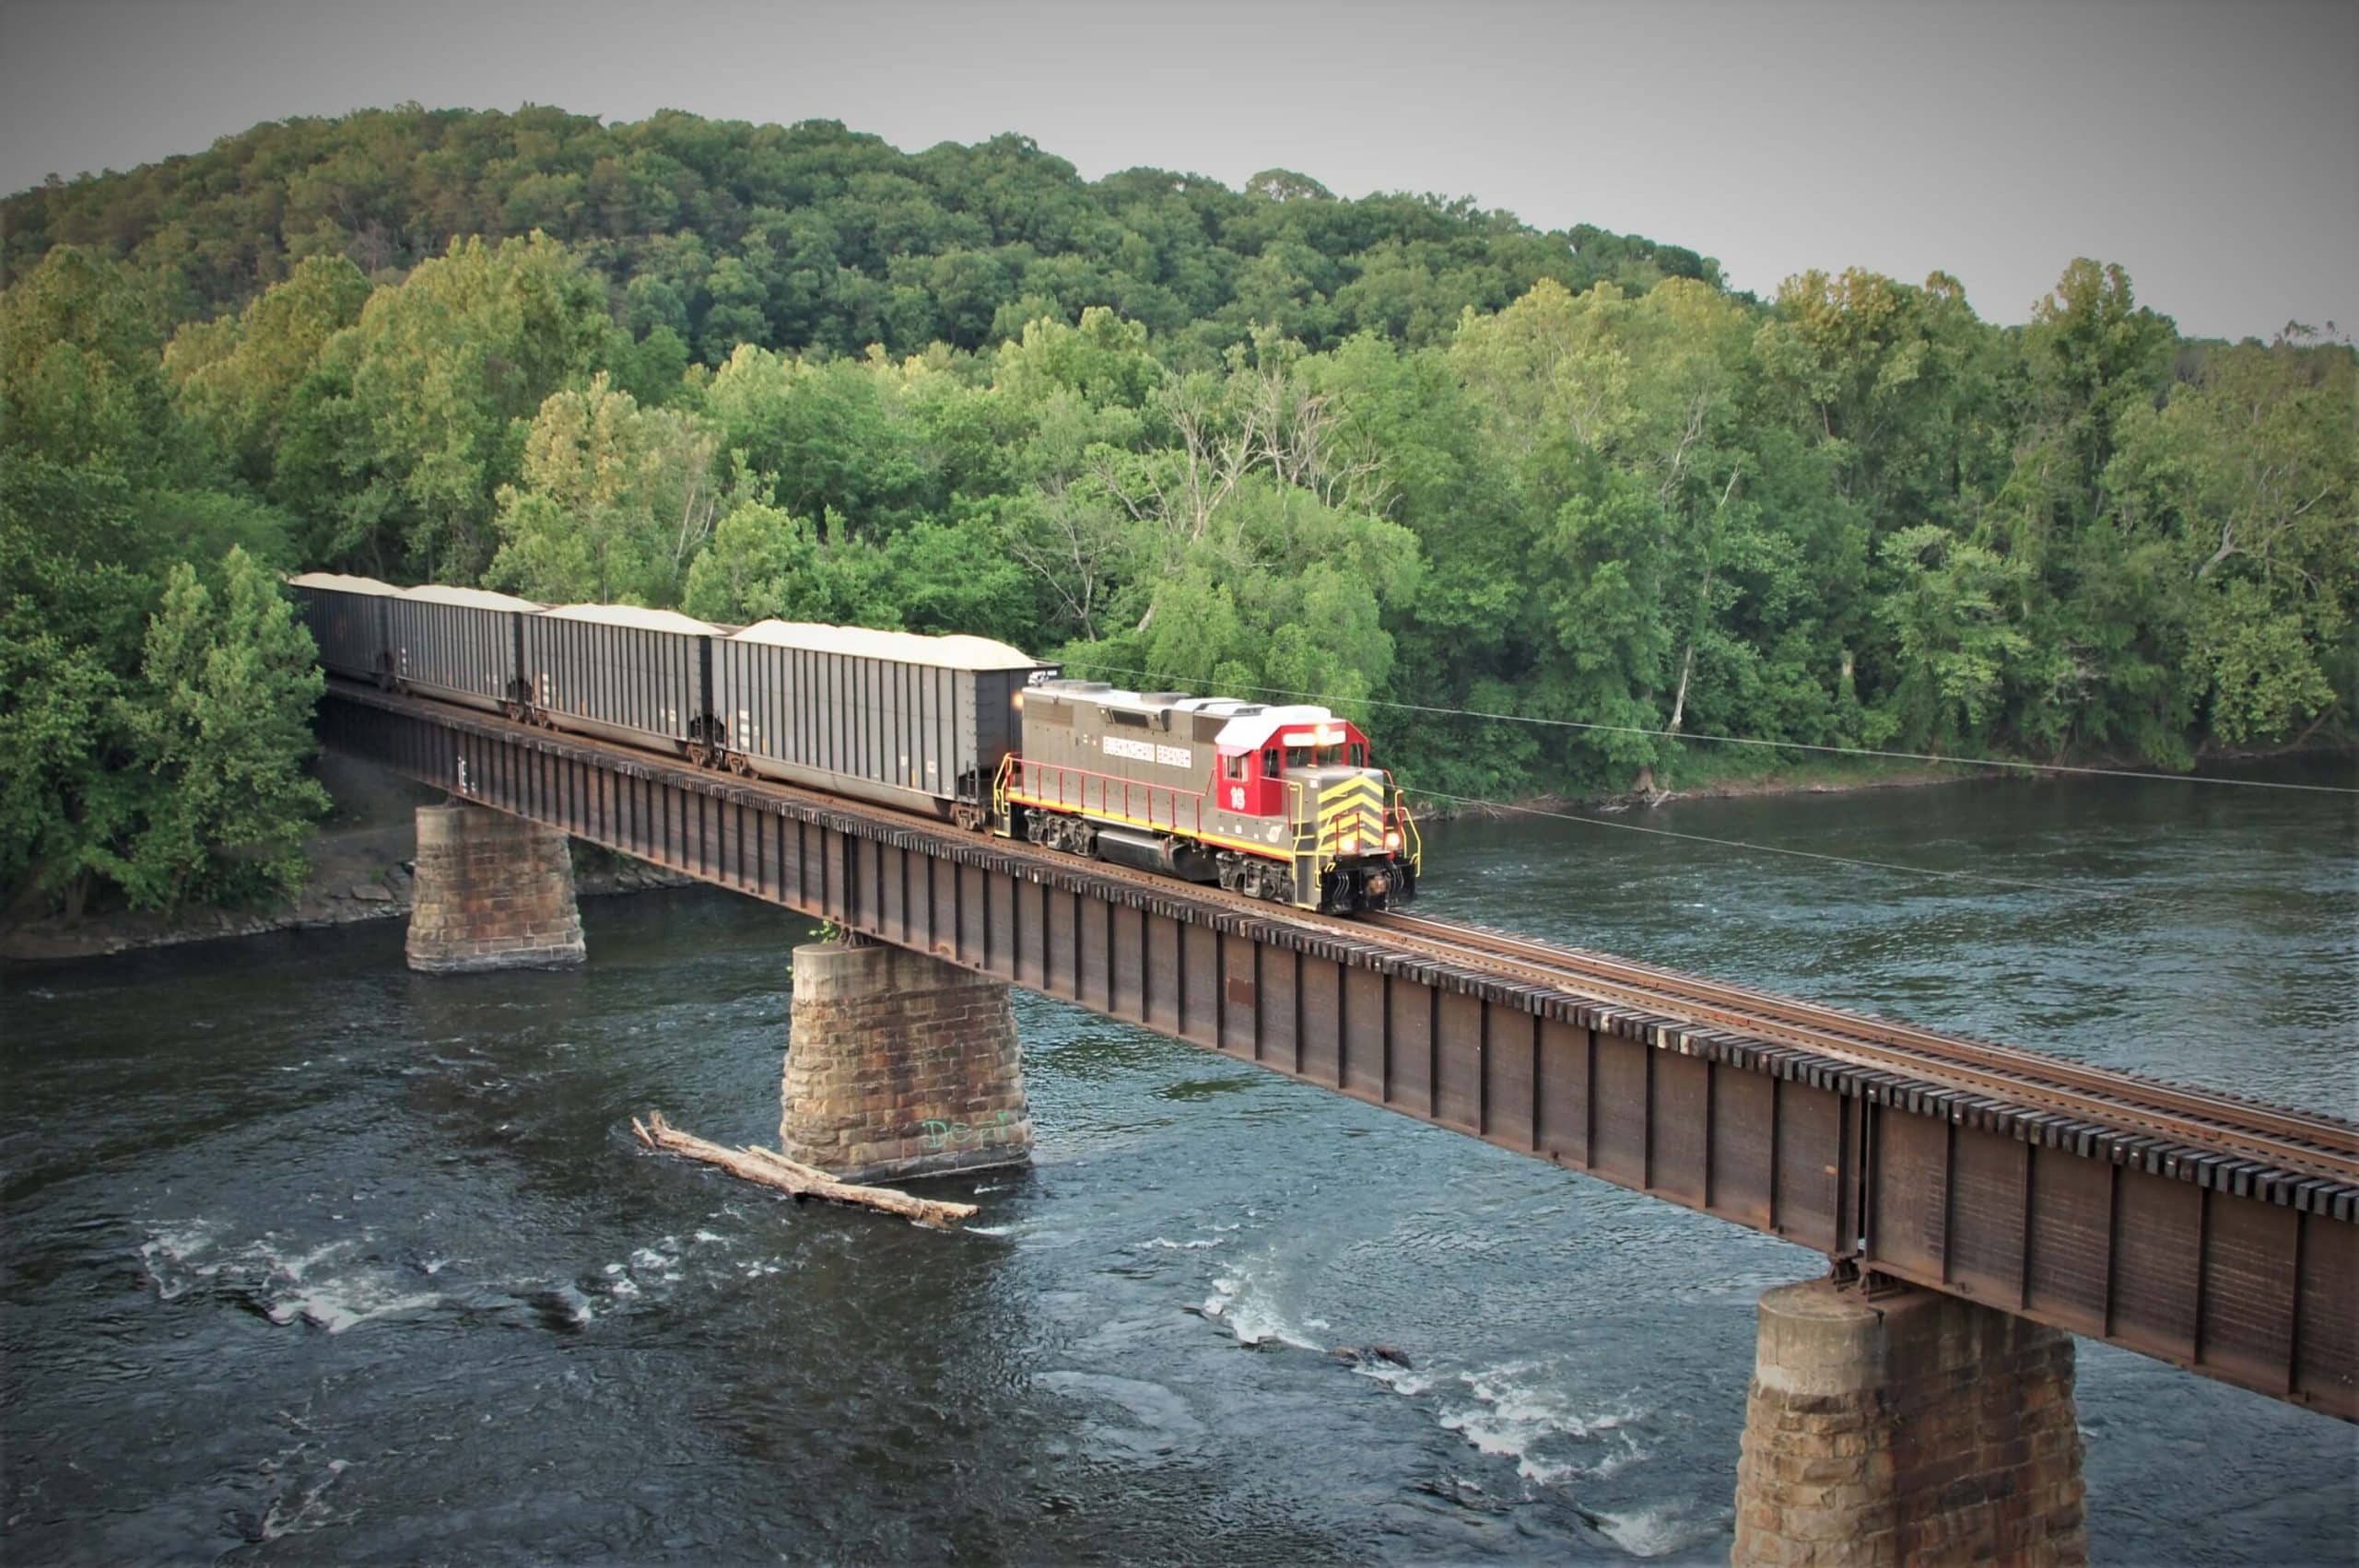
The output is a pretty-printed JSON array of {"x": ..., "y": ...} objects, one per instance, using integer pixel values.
[
  {"x": 2314, "y": 1144},
  {"x": 2209, "y": 1121},
  {"x": 2294, "y": 1141}
]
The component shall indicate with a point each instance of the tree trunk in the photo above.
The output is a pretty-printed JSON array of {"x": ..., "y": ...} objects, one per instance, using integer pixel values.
[
  {"x": 1686, "y": 668},
  {"x": 771, "y": 1169}
]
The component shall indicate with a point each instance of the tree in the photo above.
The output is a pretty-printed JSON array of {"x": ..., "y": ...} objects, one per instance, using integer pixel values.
[
  {"x": 823, "y": 439},
  {"x": 425, "y": 405},
  {"x": 768, "y": 563},
  {"x": 614, "y": 502},
  {"x": 2239, "y": 498},
  {"x": 220, "y": 720},
  {"x": 234, "y": 376},
  {"x": 79, "y": 378},
  {"x": 1953, "y": 646}
]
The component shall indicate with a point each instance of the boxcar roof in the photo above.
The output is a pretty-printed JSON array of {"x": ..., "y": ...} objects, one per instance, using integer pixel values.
[
  {"x": 954, "y": 652},
  {"x": 479, "y": 598},
  {"x": 633, "y": 616},
  {"x": 340, "y": 583}
]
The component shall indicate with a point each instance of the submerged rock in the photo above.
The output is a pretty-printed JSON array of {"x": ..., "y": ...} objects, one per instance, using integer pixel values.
[{"x": 1369, "y": 1355}]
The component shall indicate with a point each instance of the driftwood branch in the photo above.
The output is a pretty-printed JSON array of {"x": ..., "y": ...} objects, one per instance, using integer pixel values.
[{"x": 770, "y": 1168}]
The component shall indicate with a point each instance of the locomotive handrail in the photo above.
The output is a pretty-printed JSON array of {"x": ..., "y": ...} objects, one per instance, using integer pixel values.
[
  {"x": 999, "y": 787},
  {"x": 1411, "y": 839},
  {"x": 1079, "y": 801}
]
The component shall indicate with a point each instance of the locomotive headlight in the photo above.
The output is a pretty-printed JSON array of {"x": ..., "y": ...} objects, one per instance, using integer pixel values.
[
  {"x": 1350, "y": 843},
  {"x": 1392, "y": 838}
]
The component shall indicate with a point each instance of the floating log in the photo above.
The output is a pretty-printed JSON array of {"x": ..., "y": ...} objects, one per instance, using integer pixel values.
[{"x": 770, "y": 1168}]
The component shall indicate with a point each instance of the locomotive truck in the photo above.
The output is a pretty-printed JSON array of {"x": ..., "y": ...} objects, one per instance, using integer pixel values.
[{"x": 1281, "y": 802}]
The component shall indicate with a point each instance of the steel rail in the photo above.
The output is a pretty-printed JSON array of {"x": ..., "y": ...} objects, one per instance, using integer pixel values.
[
  {"x": 2201, "y": 1246},
  {"x": 2315, "y": 1142},
  {"x": 2105, "y": 1096},
  {"x": 2213, "y": 1121}
]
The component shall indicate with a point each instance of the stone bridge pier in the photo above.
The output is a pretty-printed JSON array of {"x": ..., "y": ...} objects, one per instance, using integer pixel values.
[
  {"x": 900, "y": 1065},
  {"x": 1904, "y": 1428},
  {"x": 493, "y": 892}
]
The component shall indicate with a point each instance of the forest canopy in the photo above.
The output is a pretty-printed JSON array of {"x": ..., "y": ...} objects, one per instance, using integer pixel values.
[{"x": 1266, "y": 440}]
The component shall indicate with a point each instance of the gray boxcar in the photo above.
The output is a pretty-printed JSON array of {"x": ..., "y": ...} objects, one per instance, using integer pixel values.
[
  {"x": 466, "y": 644},
  {"x": 621, "y": 673},
  {"x": 347, "y": 618},
  {"x": 891, "y": 716}
]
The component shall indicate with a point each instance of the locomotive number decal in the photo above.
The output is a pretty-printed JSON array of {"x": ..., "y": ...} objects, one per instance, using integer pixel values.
[{"x": 1237, "y": 797}]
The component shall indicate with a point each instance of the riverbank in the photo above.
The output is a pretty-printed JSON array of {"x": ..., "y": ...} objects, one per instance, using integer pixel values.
[
  {"x": 1833, "y": 775},
  {"x": 360, "y": 871},
  {"x": 360, "y": 856},
  {"x": 1750, "y": 773}
]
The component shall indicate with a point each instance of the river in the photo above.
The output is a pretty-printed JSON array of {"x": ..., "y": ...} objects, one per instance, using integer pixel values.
[{"x": 309, "y": 1259}]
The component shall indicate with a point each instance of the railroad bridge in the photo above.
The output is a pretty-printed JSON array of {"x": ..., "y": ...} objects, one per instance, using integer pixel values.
[{"x": 1979, "y": 1205}]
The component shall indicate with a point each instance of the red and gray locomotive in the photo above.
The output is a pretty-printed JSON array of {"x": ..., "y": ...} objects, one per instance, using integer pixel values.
[
  {"x": 1279, "y": 803},
  {"x": 1273, "y": 801}
]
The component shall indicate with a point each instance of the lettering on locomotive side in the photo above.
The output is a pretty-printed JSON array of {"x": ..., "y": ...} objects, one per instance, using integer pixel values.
[{"x": 1147, "y": 750}]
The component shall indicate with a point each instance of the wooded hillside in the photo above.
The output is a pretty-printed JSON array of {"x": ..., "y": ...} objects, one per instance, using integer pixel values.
[{"x": 1262, "y": 442}]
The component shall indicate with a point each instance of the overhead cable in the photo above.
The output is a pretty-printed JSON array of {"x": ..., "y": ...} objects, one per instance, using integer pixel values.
[
  {"x": 1774, "y": 745},
  {"x": 2058, "y": 888}
]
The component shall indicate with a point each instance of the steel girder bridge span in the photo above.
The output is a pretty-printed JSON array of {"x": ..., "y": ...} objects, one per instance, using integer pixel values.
[{"x": 2209, "y": 1231}]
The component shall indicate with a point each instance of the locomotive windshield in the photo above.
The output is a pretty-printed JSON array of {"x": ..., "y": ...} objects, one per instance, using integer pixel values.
[{"x": 1337, "y": 755}]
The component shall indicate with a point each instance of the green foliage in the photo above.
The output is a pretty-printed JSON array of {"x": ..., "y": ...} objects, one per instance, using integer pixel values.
[
  {"x": 235, "y": 376},
  {"x": 220, "y": 719},
  {"x": 810, "y": 237},
  {"x": 615, "y": 500},
  {"x": 410, "y": 421},
  {"x": 79, "y": 379},
  {"x": 823, "y": 438},
  {"x": 161, "y": 755},
  {"x": 1268, "y": 441}
]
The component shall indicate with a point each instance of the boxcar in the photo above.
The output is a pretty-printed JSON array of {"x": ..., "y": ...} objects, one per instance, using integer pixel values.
[
  {"x": 466, "y": 644},
  {"x": 914, "y": 721},
  {"x": 347, "y": 618},
  {"x": 643, "y": 677}
]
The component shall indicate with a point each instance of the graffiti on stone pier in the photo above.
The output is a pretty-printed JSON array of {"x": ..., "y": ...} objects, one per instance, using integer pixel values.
[{"x": 941, "y": 1135}]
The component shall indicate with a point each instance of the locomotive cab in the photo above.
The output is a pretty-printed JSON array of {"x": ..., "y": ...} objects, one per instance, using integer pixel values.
[{"x": 1350, "y": 843}]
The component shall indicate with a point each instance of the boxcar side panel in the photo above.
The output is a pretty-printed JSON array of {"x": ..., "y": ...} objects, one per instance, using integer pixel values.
[
  {"x": 348, "y": 629},
  {"x": 625, "y": 682},
  {"x": 883, "y": 729},
  {"x": 465, "y": 652}
]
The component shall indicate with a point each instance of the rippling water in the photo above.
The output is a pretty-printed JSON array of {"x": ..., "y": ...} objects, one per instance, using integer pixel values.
[{"x": 310, "y": 1258}]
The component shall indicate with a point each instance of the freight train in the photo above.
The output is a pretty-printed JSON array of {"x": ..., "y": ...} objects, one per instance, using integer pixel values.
[{"x": 1280, "y": 802}]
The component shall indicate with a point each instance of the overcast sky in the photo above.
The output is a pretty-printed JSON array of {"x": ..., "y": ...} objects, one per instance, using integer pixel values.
[{"x": 2211, "y": 149}]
